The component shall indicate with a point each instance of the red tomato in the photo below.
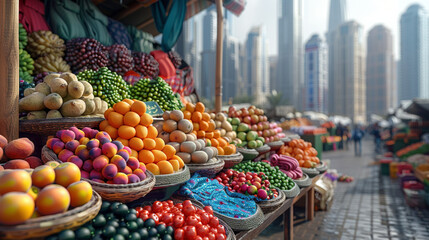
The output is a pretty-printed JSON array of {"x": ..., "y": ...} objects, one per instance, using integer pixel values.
[
  {"x": 148, "y": 208},
  {"x": 214, "y": 230},
  {"x": 187, "y": 202},
  {"x": 139, "y": 209},
  {"x": 144, "y": 212},
  {"x": 200, "y": 211},
  {"x": 179, "y": 234},
  {"x": 191, "y": 220},
  {"x": 205, "y": 238},
  {"x": 178, "y": 221},
  {"x": 198, "y": 238},
  {"x": 221, "y": 229},
  {"x": 170, "y": 203},
  {"x": 211, "y": 236},
  {"x": 203, "y": 230},
  {"x": 190, "y": 232},
  {"x": 179, "y": 206},
  {"x": 159, "y": 214},
  {"x": 189, "y": 210},
  {"x": 214, "y": 222},
  {"x": 205, "y": 218},
  {"x": 165, "y": 204},
  {"x": 154, "y": 217},
  {"x": 220, "y": 236},
  {"x": 208, "y": 209},
  {"x": 229, "y": 172},
  {"x": 157, "y": 206},
  {"x": 144, "y": 217},
  {"x": 167, "y": 218}
]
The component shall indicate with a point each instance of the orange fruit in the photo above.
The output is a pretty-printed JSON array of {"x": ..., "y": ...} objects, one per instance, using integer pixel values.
[
  {"x": 229, "y": 149},
  {"x": 215, "y": 142},
  {"x": 146, "y": 119},
  {"x": 129, "y": 101},
  {"x": 216, "y": 133},
  {"x": 220, "y": 151},
  {"x": 169, "y": 151},
  {"x": 106, "y": 113},
  {"x": 136, "y": 144},
  {"x": 146, "y": 156},
  {"x": 222, "y": 142},
  {"x": 103, "y": 125},
  {"x": 187, "y": 114},
  {"x": 138, "y": 107},
  {"x": 190, "y": 107},
  {"x": 181, "y": 163},
  {"x": 201, "y": 134},
  {"x": 301, "y": 163},
  {"x": 209, "y": 134},
  {"x": 123, "y": 141},
  {"x": 199, "y": 107},
  {"x": 204, "y": 125},
  {"x": 175, "y": 164},
  {"x": 113, "y": 132},
  {"x": 196, "y": 117},
  {"x": 195, "y": 132},
  {"x": 126, "y": 132},
  {"x": 121, "y": 107},
  {"x": 152, "y": 132},
  {"x": 131, "y": 119},
  {"x": 153, "y": 168},
  {"x": 206, "y": 117},
  {"x": 165, "y": 167},
  {"x": 159, "y": 144},
  {"x": 159, "y": 155},
  {"x": 307, "y": 164},
  {"x": 196, "y": 126},
  {"x": 141, "y": 131},
  {"x": 115, "y": 119},
  {"x": 134, "y": 153},
  {"x": 149, "y": 143},
  {"x": 212, "y": 126}
]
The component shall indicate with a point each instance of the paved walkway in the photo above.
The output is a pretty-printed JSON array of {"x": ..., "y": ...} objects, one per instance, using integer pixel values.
[{"x": 371, "y": 207}]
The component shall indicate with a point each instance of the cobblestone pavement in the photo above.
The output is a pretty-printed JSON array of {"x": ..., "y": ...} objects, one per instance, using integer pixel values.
[{"x": 371, "y": 207}]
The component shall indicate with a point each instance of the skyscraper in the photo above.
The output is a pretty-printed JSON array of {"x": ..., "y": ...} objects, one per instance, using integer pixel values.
[
  {"x": 348, "y": 72},
  {"x": 208, "y": 55},
  {"x": 231, "y": 77},
  {"x": 315, "y": 88},
  {"x": 337, "y": 16},
  {"x": 414, "y": 30},
  {"x": 380, "y": 71},
  {"x": 289, "y": 79}
]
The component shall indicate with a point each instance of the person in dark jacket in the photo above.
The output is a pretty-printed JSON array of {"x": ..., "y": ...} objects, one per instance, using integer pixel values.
[{"x": 357, "y": 136}]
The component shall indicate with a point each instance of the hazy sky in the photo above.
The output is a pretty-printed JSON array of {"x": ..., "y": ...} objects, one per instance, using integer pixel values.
[{"x": 368, "y": 13}]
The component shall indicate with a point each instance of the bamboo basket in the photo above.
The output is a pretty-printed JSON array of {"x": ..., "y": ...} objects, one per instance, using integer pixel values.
[
  {"x": 275, "y": 145},
  {"x": 322, "y": 167},
  {"x": 207, "y": 169},
  {"x": 112, "y": 192},
  {"x": 231, "y": 160},
  {"x": 272, "y": 204},
  {"x": 311, "y": 172},
  {"x": 292, "y": 192},
  {"x": 48, "y": 127},
  {"x": 169, "y": 180},
  {"x": 47, "y": 225},
  {"x": 305, "y": 181},
  {"x": 264, "y": 149},
  {"x": 248, "y": 154}
]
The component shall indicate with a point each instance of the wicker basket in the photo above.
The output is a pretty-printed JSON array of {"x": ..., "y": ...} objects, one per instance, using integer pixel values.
[
  {"x": 48, "y": 127},
  {"x": 311, "y": 172},
  {"x": 305, "y": 181},
  {"x": 207, "y": 169},
  {"x": 112, "y": 192},
  {"x": 292, "y": 192},
  {"x": 275, "y": 145},
  {"x": 248, "y": 154},
  {"x": 47, "y": 225},
  {"x": 285, "y": 139},
  {"x": 231, "y": 160},
  {"x": 169, "y": 180},
  {"x": 264, "y": 149},
  {"x": 322, "y": 167},
  {"x": 272, "y": 204},
  {"x": 243, "y": 224}
]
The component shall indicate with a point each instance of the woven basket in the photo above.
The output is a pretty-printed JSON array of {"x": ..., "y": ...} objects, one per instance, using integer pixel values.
[
  {"x": 285, "y": 139},
  {"x": 305, "y": 181},
  {"x": 248, "y": 154},
  {"x": 231, "y": 160},
  {"x": 47, "y": 225},
  {"x": 292, "y": 192},
  {"x": 311, "y": 172},
  {"x": 243, "y": 224},
  {"x": 272, "y": 204},
  {"x": 322, "y": 167},
  {"x": 112, "y": 192},
  {"x": 207, "y": 169},
  {"x": 169, "y": 180},
  {"x": 264, "y": 149},
  {"x": 48, "y": 127},
  {"x": 275, "y": 145}
]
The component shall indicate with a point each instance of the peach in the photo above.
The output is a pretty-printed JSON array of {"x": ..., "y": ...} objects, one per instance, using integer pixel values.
[
  {"x": 118, "y": 144},
  {"x": 3, "y": 141},
  {"x": 94, "y": 174},
  {"x": 133, "y": 163},
  {"x": 76, "y": 160},
  {"x": 72, "y": 145},
  {"x": 140, "y": 173},
  {"x": 17, "y": 164},
  {"x": 124, "y": 153},
  {"x": 19, "y": 148},
  {"x": 52, "y": 164},
  {"x": 51, "y": 141},
  {"x": 34, "y": 161},
  {"x": 127, "y": 170},
  {"x": 109, "y": 171},
  {"x": 57, "y": 147},
  {"x": 87, "y": 132},
  {"x": 103, "y": 134},
  {"x": 66, "y": 174},
  {"x": 94, "y": 153},
  {"x": 142, "y": 166},
  {"x": 1, "y": 168},
  {"x": 80, "y": 193},
  {"x": 33, "y": 192},
  {"x": 84, "y": 174},
  {"x": 79, "y": 148},
  {"x": 87, "y": 165},
  {"x": 119, "y": 162},
  {"x": 109, "y": 149},
  {"x": 93, "y": 133},
  {"x": 15, "y": 208},
  {"x": 120, "y": 178},
  {"x": 78, "y": 133},
  {"x": 104, "y": 140},
  {"x": 100, "y": 162},
  {"x": 53, "y": 199},
  {"x": 83, "y": 141},
  {"x": 58, "y": 134},
  {"x": 128, "y": 149},
  {"x": 83, "y": 154},
  {"x": 14, "y": 181},
  {"x": 67, "y": 136},
  {"x": 132, "y": 178},
  {"x": 64, "y": 155},
  {"x": 93, "y": 143},
  {"x": 43, "y": 176}
]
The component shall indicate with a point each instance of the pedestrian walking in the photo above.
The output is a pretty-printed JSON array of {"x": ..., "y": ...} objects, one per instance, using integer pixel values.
[
  {"x": 357, "y": 136},
  {"x": 377, "y": 138},
  {"x": 340, "y": 133},
  {"x": 347, "y": 135}
]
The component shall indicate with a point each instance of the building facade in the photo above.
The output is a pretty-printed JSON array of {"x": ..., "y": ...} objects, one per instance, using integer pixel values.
[
  {"x": 208, "y": 55},
  {"x": 315, "y": 88}
]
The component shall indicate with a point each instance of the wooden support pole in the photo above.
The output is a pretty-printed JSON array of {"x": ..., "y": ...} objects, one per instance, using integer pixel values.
[
  {"x": 9, "y": 69},
  {"x": 219, "y": 52},
  {"x": 288, "y": 224}
]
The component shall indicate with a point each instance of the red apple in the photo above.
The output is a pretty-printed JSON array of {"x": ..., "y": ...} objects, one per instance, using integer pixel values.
[
  {"x": 254, "y": 118},
  {"x": 261, "y": 118},
  {"x": 247, "y": 119},
  {"x": 231, "y": 109},
  {"x": 260, "y": 126},
  {"x": 245, "y": 113},
  {"x": 254, "y": 127},
  {"x": 251, "y": 111},
  {"x": 260, "y": 133}
]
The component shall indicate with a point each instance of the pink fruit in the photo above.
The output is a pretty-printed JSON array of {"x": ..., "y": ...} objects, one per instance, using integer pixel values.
[
  {"x": 119, "y": 162},
  {"x": 87, "y": 165},
  {"x": 262, "y": 194},
  {"x": 118, "y": 144},
  {"x": 127, "y": 170},
  {"x": 84, "y": 174},
  {"x": 102, "y": 134},
  {"x": 104, "y": 140},
  {"x": 109, "y": 171},
  {"x": 132, "y": 178},
  {"x": 93, "y": 133},
  {"x": 57, "y": 147},
  {"x": 100, "y": 162},
  {"x": 128, "y": 149},
  {"x": 76, "y": 160},
  {"x": 109, "y": 149},
  {"x": 64, "y": 155},
  {"x": 87, "y": 131},
  {"x": 140, "y": 173},
  {"x": 98, "y": 180},
  {"x": 78, "y": 133},
  {"x": 120, "y": 178},
  {"x": 72, "y": 145},
  {"x": 83, "y": 154},
  {"x": 95, "y": 175},
  {"x": 123, "y": 153},
  {"x": 58, "y": 134},
  {"x": 93, "y": 143},
  {"x": 94, "y": 153},
  {"x": 51, "y": 141},
  {"x": 142, "y": 166},
  {"x": 67, "y": 136},
  {"x": 133, "y": 163}
]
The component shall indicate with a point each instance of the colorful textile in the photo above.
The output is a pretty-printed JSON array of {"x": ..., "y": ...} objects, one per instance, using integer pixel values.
[
  {"x": 119, "y": 33},
  {"x": 212, "y": 193},
  {"x": 32, "y": 15}
]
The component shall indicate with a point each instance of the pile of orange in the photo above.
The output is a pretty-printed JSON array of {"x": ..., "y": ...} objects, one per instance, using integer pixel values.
[
  {"x": 128, "y": 122},
  {"x": 205, "y": 128},
  {"x": 301, "y": 151}
]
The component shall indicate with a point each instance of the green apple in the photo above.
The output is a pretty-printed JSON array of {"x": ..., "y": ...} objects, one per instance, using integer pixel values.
[
  {"x": 242, "y": 127},
  {"x": 259, "y": 143},
  {"x": 242, "y": 136},
  {"x": 235, "y": 121},
  {"x": 252, "y": 135},
  {"x": 252, "y": 144}
]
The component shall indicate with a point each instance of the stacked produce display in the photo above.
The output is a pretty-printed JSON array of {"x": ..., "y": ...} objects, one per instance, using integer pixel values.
[
  {"x": 26, "y": 63},
  {"x": 301, "y": 151}
]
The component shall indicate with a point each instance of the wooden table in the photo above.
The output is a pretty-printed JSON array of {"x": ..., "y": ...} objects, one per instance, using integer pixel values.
[{"x": 287, "y": 210}]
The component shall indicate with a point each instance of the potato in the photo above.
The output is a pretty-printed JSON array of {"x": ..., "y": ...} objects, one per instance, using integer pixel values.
[
  {"x": 53, "y": 101},
  {"x": 75, "y": 89},
  {"x": 36, "y": 115},
  {"x": 32, "y": 102},
  {"x": 50, "y": 77},
  {"x": 73, "y": 108},
  {"x": 43, "y": 88},
  {"x": 59, "y": 85},
  {"x": 29, "y": 91},
  {"x": 54, "y": 114},
  {"x": 88, "y": 88},
  {"x": 98, "y": 106},
  {"x": 69, "y": 77},
  {"x": 90, "y": 106}
]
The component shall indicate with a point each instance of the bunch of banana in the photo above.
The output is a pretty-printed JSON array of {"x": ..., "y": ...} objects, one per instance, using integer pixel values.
[
  {"x": 42, "y": 43},
  {"x": 22, "y": 37},
  {"x": 25, "y": 76},
  {"x": 51, "y": 63},
  {"x": 26, "y": 66}
]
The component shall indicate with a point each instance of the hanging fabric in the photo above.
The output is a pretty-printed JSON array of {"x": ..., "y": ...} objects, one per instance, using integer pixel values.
[
  {"x": 63, "y": 18},
  {"x": 32, "y": 15},
  {"x": 95, "y": 22},
  {"x": 119, "y": 33}
]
